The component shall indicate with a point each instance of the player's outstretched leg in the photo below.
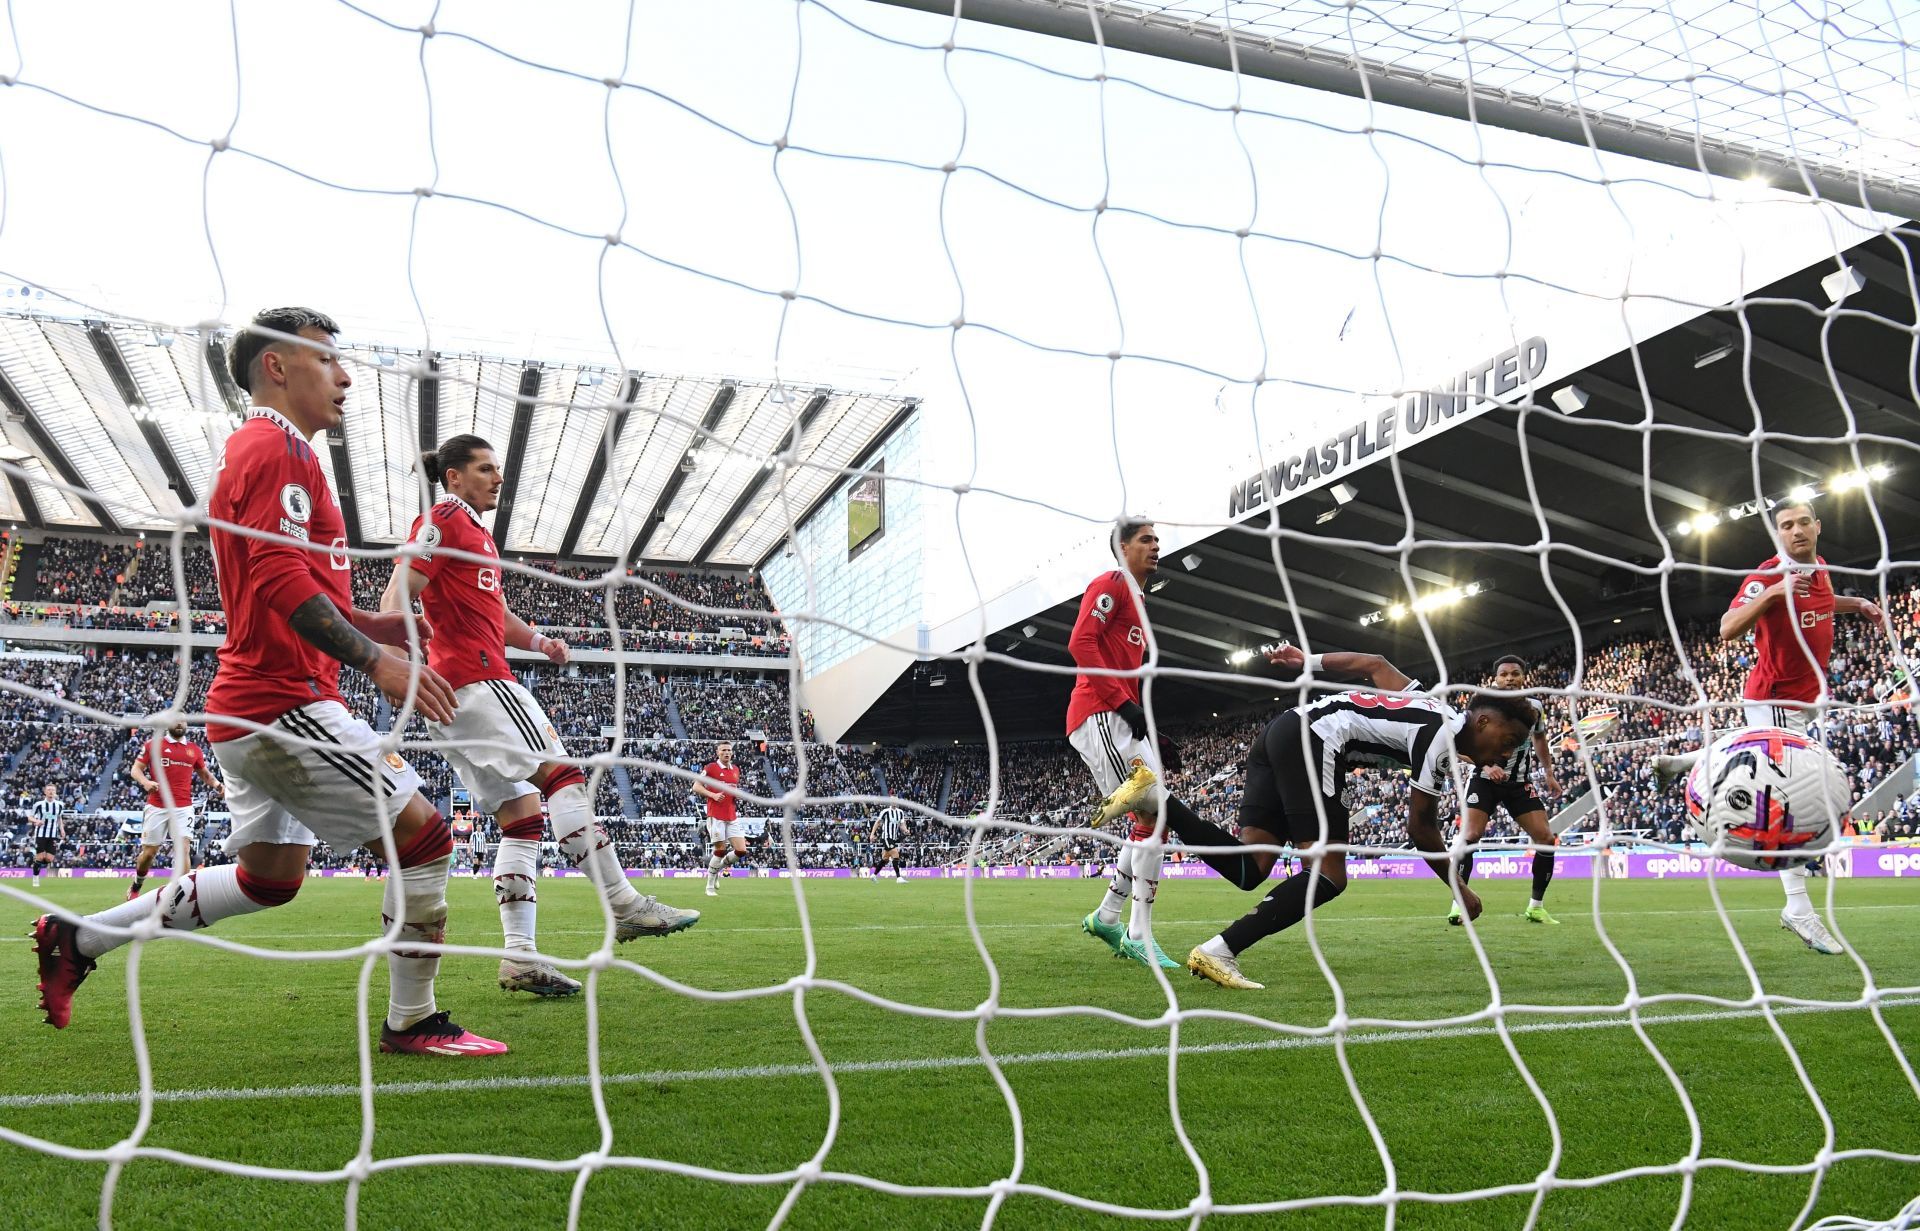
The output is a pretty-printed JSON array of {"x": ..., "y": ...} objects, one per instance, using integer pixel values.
[
  {"x": 516, "y": 869},
  {"x": 1667, "y": 769},
  {"x": 585, "y": 845},
  {"x": 67, "y": 948},
  {"x": 1799, "y": 916},
  {"x": 416, "y": 895}
]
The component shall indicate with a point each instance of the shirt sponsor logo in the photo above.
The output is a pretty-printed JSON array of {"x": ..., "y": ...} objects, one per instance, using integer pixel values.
[
  {"x": 338, "y": 557},
  {"x": 1136, "y": 636},
  {"x": 488, "y": 579}
]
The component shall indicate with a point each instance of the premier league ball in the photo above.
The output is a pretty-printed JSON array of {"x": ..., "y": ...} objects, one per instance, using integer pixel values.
[{"x": 1770, "y": 799}]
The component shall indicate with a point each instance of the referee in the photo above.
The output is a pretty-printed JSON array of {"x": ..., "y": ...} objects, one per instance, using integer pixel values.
[{"x": 49, "y": 820}]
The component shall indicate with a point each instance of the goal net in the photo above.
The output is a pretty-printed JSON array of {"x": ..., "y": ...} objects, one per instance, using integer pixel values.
[{"x": 824, "y": 345}]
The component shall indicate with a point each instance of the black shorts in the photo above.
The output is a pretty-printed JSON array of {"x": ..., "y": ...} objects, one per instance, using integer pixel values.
[
  {"x": 46, "y": 846},
  {"x": 1516, "y": 797},
  {"x": 1281, "y": 795}
]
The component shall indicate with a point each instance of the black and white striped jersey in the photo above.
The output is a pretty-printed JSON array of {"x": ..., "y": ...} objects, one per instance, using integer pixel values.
[
  {"x": 46, "y": 814},
  {"x": 891, "y": 826},
  {"x": 1400, "y": 732},
  {"x": 1519, "y": 766}
]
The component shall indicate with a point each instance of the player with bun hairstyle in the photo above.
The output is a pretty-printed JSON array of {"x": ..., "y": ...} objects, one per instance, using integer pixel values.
[{"x": 508, "y": 756}]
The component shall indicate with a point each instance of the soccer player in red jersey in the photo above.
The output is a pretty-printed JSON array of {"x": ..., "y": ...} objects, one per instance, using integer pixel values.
[
  {"x": 1106, "y": 725},
  {"x": 1788, "y": 604},
  {"x": 723, "y": 825},
  {"x": 166, "y": 768},
  {"x": 507, "y": 754},
  {"x": 298, "y": 765}
]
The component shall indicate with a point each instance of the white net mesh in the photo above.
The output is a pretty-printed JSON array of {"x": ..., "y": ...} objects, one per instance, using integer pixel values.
[{"x": 1105, "y": 282}]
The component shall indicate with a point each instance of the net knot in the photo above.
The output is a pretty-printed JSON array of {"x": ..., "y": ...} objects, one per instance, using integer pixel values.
[
  {"x": 612, "y": 238},
  {"x": 423, "y": 192},
  {"x": 427, "y": 30},
  {"x": 359, "y": 1169},
  {"x": 219, "y": 144},
  {"x": 809, "y": 1172}
]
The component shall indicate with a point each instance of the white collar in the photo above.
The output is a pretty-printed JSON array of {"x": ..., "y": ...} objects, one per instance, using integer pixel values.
[
  {"x": 450, "y": 498},
  {"x": 268, "y": 412}
]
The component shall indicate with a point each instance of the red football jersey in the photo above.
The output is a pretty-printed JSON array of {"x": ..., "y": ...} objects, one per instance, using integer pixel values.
[
  {"x": 463, "y": 599},
  {"x": 1106, "y": 634},
  {"x": 177, "y": 759},
  {"x": 270, "y": 479},
  {"x": 725, "y": 807},
  {"x": 1782, "y": 670}
]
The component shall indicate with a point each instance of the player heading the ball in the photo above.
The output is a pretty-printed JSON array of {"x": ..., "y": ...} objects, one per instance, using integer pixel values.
[{"x": 1294, "y": 774}]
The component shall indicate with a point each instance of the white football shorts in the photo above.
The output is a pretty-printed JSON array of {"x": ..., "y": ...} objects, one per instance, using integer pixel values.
[
  {"x": 724, "y": 831},
  {"x": 1107, "y": 745},
  {"x": 159, "y": 826},
  {"x": 499, "y": 735},
  {"x": 317, "y": 772}
]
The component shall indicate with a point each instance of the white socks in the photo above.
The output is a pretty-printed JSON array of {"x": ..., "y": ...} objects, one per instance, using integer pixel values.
[
  {"x": 1218, "y": 947},
  {"x": 586, "y": 846},
  {"x": 198, "y": 900},
  {"x": 1119, "y": 889},
  {"x": 515, "y": 865},
  {"x": 1147, "y": 858},
  {"x": 1799, "y": 905},
  {"x": 418, "y": 896}
]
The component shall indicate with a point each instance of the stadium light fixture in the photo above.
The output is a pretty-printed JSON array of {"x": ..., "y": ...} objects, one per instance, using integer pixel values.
[
  {"x": 1713, "y": 354},
  {"x": 1801, "y": 494},
  {"x": 1879, "y": 470},
  {"x": 1843, "y": 282},
  {"x": 1396, "y": 611},
  {"x": 1191, "y": 560},
  {"x": 1029, "y": 631},
  {"x": 1860, "y": 478},
  {"x": 1343, "y": 493},
  {"x": 1571, "y": 399},
  {"x": 1705, "y": 522},
  {"x": 1240, "y": 657},
  {"x": 1159, "y": 584}
]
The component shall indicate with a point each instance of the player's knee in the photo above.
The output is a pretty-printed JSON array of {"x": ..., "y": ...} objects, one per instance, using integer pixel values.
[
  {"x": 560, "y": 778},
  {"x": 431, "y": 841},
  {"x": 525, "y": 828}
]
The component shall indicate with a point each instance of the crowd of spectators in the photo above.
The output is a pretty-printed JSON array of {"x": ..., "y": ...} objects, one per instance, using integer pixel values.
[
  {"x": 736, "y": 707},
  {"x": 1654, "y": 688}
]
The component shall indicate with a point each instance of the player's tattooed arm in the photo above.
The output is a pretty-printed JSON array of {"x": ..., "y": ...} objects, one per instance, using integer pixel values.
[{"x": 326, "y": 628}]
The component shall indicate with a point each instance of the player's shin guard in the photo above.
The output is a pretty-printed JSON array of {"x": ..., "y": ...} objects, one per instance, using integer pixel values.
[
  {"x": 1119, "y": 889},
  {"x": 1238, "y": 867},
  {"x": 1147, "y": 859},
  {"x": 1464, "y": 865},
  {"x": 1279, "y": 910},
  {"x": 515, "y": 866},
  {"x": 583, "y": 842},
  {"x": 198, "y": 900},
  {"x": 1542, "y": 874},
  {"x": 416, "y": 894}
]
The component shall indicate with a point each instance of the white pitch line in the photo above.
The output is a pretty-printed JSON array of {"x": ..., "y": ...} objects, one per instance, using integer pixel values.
[
  {"x": 928, "y": 1064},
  {"x": 960, "y": 925}
]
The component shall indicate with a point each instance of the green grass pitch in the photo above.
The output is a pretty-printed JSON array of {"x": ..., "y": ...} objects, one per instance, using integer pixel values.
[{"x": 1270, "y": 1122}]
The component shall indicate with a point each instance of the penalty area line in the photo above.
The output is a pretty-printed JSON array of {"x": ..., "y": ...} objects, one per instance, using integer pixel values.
[{"x": 926, "y": 1064}]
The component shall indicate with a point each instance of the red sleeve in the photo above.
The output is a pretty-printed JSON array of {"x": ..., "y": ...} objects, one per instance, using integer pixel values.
[
  {"x": 428, "y": 533},
  {"x": 279, "y": 499},
  {"x": 146, "y": 758},
  {"x": 199, "y": 757},
  {"x": 1098, "y": 607},
  {"x": 1753, "y": 587}
]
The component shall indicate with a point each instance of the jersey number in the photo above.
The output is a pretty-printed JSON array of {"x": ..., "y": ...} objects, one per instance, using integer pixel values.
[{"x": 1373, "y": 700}]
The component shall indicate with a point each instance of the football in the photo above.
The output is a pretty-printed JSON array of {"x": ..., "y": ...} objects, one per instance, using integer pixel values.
[{"x": 1770, "y": 799}]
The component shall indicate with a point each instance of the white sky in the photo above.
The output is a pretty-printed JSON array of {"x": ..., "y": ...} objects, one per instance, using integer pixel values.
[{"x": 110, "y": 212}]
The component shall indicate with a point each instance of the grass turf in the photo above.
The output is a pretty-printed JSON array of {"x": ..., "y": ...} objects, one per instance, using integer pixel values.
[{"x": 1271, "y": 1118}]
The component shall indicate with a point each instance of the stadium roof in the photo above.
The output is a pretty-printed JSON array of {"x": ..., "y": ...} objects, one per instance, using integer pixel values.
[
  {"x": 600, "y": 464},
  {"x": 1605, "y": 484}
]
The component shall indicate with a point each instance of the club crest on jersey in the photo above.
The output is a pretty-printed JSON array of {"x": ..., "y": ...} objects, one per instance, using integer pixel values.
[
  {"x": 488, "y": 579},
  {"x": 553, "y": 734},
  {"x": 395, "y": 763},
  {"x": 1102, "y": 607}
]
